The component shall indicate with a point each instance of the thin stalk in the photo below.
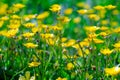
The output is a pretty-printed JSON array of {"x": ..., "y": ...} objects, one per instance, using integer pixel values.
[{"x": 18, "y": 73}]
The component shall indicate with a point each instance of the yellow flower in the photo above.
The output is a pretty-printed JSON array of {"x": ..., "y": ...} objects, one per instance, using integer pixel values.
[
  {"x": 34, "y": 64},
  {"x": 70, "y": 66},
  {"x": 90, "y": 11},
  {"x": 93, "y": 17},
  {"x": 44, "y": 26},
  {"x": 117, "y": 45},
  {"x": 81, "y": 53},
  {"x": 68, "y": 11},
  {"x": 4, "y": 18},
  {"x": 13, "y": 26},
  {"x": 102, "y": 13},
  {"x": 104, "y": 34},
  {"x": 55, "y": 8},
  {"x": 70, "y": 43},
  {"x": 63, "y": 39},
  {"x": 114, "y": 23},
  {"x": 103, "y": 28},
  {"x": 35, "y": 29},
  {"x": 1, "y": 23},
  {"x": 30, "y": 45},
  {"x": 3, "y": 8},
  {"x": 29, "y": 25},
  {"x": 10, "y": 33},
  {"x": 116, "y": 30},
  {"x": 83, "y": 5},
  {"x": 15, "y": 22},
  {"x": 19, "y": 6},
  {"x": 43, "y": 15},
  {"x": 82, "y": 11},
  {"x": 98, "y": 7},
  {"x": 47, "y": 35},
  {"x": 81, "y": 44},
  {"x": 28, "y": 35},
  {"x": 92, "y": 35},
  {"x": 15, "y": 17},
  {"x": 27, "y": 76},
  {"x": 56, "y": 28},
  {"x": 2, "y": 32},
  {"x": 28, "y": 17},
  {"x": 84, "y": 43},
  {"x": 113, "y": 71},
  {"x": 59, "y": 78},
  {"x": 64, "y": 19},
  {"x": 91, "y": 28},
  {"x": 106, "y": 51},
  {"x": 77, "y": 20},
  {"x": 110, "y": 7},
  {"x": 104, "y": 22},
  {"x": 97, "y": 41},
  {"x": 115, "y": 12},
  {"x": 51, "y": 41}
]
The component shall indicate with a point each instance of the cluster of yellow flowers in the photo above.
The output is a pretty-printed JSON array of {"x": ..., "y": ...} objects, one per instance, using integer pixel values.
[
  {"x": 30, "y": 32},
  {"x": 59, "y": 78}
]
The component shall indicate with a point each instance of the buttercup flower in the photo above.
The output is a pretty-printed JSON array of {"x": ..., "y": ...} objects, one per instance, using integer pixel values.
[
  {"x": 103, "y": 28},
  {"x": 3, "y": 8},
  {"x": 64, "y": 19},
  {"x": 97, "y": 41},
  {"x": 99, "y": 7},
  {"x": 30, "y": 45},
  {"x": 19, "y": 6},
  {"x": 91, "y": 28},
  {"x": 34, "y": 64},
  {"x": 15, "y": 17},
  {"x": 27, "y": 76},
  {"x": 28, "y": 34},
  {"x": 84, "y": 11},
  {"x": 77, "y": 20},
  {"x": 94, "y": 17},
  {"x": 43, "y": 15},
  {"x": 70, "y": 66},
  {"x": 47, "y": 35},
  {"x": 10, "y": 33},
  {"x": 104, "y": 34},
  {"x": 117, "y": 45},
  {"x": 28, "y": 17},
  {"x": 68, "y": 11},
  {"x": 59, "y": 78},
  {"x": 113, "y": 71},
  {"x": 29, "y": 25},
  {"x": 115, "y": 12},
  {"x": 106, "y": 51},
  {"x": 55, "y": 8},
  {"x": 104, "y": 22},
  {"x": 110, "y": 7}
]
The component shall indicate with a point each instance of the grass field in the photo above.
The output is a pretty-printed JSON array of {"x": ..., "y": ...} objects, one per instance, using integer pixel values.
[{"x": 59, "y": 40}]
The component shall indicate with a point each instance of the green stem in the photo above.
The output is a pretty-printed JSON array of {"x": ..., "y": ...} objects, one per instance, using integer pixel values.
[
  {"x": 4, "y": 75},
  {"x": 17, "y": 73},
  {"x": 48, "y": 61},
  {"x": 43, "y": 62},
  {"x": 84, "y": 65}
]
